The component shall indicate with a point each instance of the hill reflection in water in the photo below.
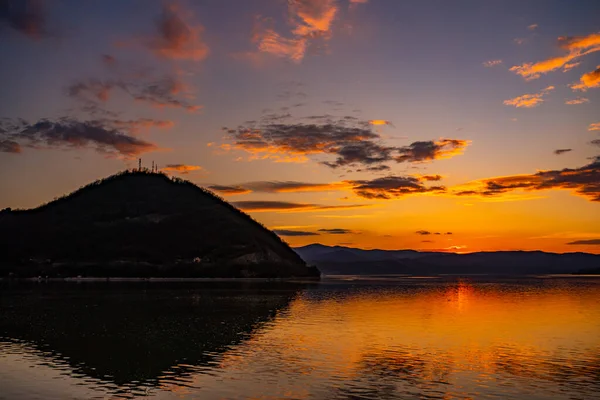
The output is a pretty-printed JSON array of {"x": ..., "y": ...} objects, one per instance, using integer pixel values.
[{"x": 407, "y": 338}]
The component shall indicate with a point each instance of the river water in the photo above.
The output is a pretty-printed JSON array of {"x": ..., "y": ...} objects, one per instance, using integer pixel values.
[{"x": 342, "y": 338}]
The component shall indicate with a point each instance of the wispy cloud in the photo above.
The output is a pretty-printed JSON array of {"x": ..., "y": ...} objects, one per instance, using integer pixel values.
[
  {"x": 594, "y": 127},
  {"x": 583, "y": 181},
  {"x": 284, "y": 206},
  {"x": 492, "y": 63},
  {"x": 578, "y": 100},
  {"x": 532, "y": 27},
  {"x": 338, "y": 231},
  {"x": 287, "y": 232},
  {"x": 168, "y": 91},
  {"x": 585, "y": 242},
  {"x": 576, "y": 47},
  {"x": 529, "y": 100},
  {"x": 380, "y": 188},
  {"x": 181, "y": 168},
  {"x": 178, "y": 37},
  {"x": 562, "y": 151},
  {"x": 310, "y": 25},
  {"x": 229, "y": 190}
]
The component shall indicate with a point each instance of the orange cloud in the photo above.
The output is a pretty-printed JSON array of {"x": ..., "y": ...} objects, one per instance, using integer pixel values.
[
  {"x": 577, "y": 47},
  {"x": 380, "y": 122},
  {"x": 579, "y": 100},
  {"x": 583, "y": 181},
  {"x": 310, "y": 20},
  {"x": 594, "y": 127},
  {"x": 588, "y": 80},
  {"x": 529, "y": 100},
  {"x": 181, "y": 168},
  {"x": 431, "y": 150},
  {"x": 177, "y": 37},
  {"x": 230, "y": 190}
]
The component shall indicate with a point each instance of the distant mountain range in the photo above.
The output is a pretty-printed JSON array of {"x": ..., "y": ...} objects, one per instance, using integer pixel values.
[{"x": 340, "y": 260}]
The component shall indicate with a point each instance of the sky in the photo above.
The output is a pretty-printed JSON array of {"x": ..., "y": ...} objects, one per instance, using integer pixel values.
[{"x": 432, "y": 125}]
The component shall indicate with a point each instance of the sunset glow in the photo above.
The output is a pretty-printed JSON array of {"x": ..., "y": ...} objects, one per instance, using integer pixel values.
[{"x": 346, "y": 122}]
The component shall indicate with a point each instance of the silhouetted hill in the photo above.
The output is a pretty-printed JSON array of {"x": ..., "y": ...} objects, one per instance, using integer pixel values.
[
  {"x": 138, "y": 223},
  {"x": 333, "y": 260}
]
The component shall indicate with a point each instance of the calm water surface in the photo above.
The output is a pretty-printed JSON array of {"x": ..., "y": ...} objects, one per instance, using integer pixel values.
[{"x": 344, "y": 338}]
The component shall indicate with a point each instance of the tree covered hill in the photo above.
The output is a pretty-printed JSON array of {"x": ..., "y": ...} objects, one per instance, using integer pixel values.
[{"x": 139, "y": 223}]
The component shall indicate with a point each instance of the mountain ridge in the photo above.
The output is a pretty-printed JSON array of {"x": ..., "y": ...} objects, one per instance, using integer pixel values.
[{"x": 406, "y": 261}]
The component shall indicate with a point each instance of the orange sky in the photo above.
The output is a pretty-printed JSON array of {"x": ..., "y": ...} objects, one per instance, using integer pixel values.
[{"x": 359, "y": 123}]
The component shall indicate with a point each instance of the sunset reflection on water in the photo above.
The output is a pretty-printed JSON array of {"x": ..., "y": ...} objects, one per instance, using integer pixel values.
[{"x": 437, "y": 338}]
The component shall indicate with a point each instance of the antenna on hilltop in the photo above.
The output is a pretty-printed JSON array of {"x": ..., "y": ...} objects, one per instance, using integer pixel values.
[
  {"x": 152, "y": 166},
  {"x": 139, "y": 164}
]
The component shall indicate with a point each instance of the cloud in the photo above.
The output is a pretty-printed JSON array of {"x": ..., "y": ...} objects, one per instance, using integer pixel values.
[
  {"x": 109, "y": 60},
  {"x": 532, "y": 27},
  {"x": 431, "y": 150},
  {"x": 70, "y": 133},
  {"x": 576, "y": 46},
  {"x": 24, "y": 16},
  {"x": 292, "y": 186},
  {"x": 91, "y": 90},
  {"x": 529, "y": 100},
  {"x": 380, "y": 122},
  {"x": 9, "y": 146},
  {"x": 430, "y": 177},
  {"x": 588, "y": 80},
  {"x": 284, "y": 206},
  {"x": 181, "y": 168},
  {"x": 583, "y": 181},
  {"x": 168, "y": 91},
  {"x": 338, "y": 231},
  {"x": 229, "y": 190},
  {"x": 492, "y": 63},
  {"x": 360, "y": 152},
  {"x": 594, "y": 127},
  {"x": 282, "y": 138},
  {"x": 586, "y": 242},
  {"x": 380, "y": 188},
  {"x": 578, "y": 100},
  {"x": 448, "y": 233},
  {"x": 178, "y": 37},
  {"x": 311, "y": 25},
  {"x": 392, "y": 186},
  {"x": 292, "y": 142},
  {"x": 561, "y": 151},
  {"x": 595, "y": 142},
  {"x": 423, "y": 233},
  {"x": 285, "y": 232},
  {"x": 279, "y": 187}
]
